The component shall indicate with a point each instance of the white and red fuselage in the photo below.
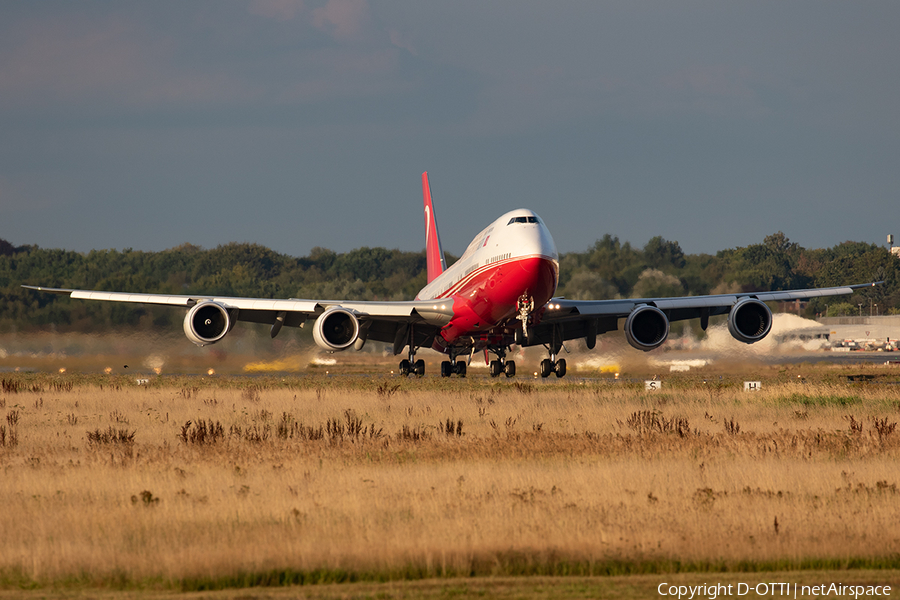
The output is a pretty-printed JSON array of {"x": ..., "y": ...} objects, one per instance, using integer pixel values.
[{"x": 512, "y": 261}]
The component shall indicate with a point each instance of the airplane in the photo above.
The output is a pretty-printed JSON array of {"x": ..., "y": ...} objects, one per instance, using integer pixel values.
[{"x": 500, "y": 293}]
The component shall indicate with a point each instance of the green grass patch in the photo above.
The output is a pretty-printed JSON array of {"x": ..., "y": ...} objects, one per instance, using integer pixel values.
[
  {"x": 819, "y": 400},
  {"x": 529, "y": 565},
  {"x": 632, "y": 587},
  {"x": 512, "y": 566}
]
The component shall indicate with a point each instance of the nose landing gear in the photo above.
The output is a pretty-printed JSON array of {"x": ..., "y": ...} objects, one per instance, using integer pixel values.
[{"x": 523, "y": 335}]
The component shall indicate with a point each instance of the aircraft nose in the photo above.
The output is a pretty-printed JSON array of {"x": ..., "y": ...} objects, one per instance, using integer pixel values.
[{"x": 542, "y": 242}]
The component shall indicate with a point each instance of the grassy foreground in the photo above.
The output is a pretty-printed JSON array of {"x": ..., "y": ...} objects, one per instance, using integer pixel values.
[{"x": 189, "y": 484}]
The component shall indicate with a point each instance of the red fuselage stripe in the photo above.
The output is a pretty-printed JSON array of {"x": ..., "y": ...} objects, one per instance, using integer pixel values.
[{"x": 480, "y": 273}]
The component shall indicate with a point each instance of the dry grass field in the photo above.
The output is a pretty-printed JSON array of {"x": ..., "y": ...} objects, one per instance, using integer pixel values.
[{"x": 206, "y": 483}]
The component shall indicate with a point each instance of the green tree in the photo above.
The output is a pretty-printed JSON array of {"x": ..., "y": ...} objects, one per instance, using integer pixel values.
[
  {"x": 608, "y": 269},
  {"x": 662, "y": 254},
  {"x": 587, "y": 285},
  {"x": 653, "y": 283},
  {"x": 766, "y": 266}
]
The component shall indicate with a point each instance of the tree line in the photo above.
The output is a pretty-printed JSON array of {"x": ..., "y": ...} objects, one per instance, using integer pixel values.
[{"x": 609, "y": 269}]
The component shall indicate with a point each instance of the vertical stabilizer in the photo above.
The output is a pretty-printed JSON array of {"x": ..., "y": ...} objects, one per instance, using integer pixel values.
[{"x": 434, "y": 254}]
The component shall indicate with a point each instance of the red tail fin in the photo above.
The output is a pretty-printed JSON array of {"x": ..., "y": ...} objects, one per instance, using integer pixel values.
[{"x": 434, "y": 254}]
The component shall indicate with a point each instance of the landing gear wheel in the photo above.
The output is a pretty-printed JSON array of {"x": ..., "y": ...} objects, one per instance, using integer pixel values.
[
  {"x": 404, "y": 367},
  {"x": 496, "y": 368},
  {"x": 510, "y": 368},
  {"x": 446, "y": 369},
  {"x": 546, "y": 367},
  {"x": 560, "y": 368},
  {"x": 420, "y": 367},
  {"x": 461, "y": 369}
]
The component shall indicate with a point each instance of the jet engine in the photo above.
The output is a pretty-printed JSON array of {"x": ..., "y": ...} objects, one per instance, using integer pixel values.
[
  {"x": 749, "y": 320},
  {"x": 207, "y": 323},
  {"x": 646, "y": 327},
  {"x": 336, "y": 329}
]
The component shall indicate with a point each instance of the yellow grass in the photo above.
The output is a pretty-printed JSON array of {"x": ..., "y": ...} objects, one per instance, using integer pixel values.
[{"x": 580, "y": 477}]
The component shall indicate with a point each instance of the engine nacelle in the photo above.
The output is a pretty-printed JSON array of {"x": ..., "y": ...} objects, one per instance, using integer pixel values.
[
  {"x": 646, "y": 327},
  {"x": 336, "y": 329},
  {"x": 207, "y": 323},
  {"x": 749, "y": 320}
]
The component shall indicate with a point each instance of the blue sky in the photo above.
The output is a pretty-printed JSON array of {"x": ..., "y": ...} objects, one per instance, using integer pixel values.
[{"x": 305, "y": 123}]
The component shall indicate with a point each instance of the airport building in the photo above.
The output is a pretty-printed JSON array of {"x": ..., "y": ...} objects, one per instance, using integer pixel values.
[
  {"x": 874, "y": 331},
  {"x": 895, "y": 250}
]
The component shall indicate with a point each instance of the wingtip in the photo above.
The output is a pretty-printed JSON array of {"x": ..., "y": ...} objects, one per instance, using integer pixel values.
[{"x": 51, "y": 290}]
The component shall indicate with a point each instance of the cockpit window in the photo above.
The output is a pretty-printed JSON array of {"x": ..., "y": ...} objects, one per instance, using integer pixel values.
[{"x": 523, "y": 220}]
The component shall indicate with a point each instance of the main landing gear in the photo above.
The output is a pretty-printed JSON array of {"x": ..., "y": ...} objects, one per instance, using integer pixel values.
[
  {"x": 410, "y": 365},
  {"x": 551, "y": 365},
  {"x": 501, "y": 365},
  {"x": 450, "y": 367},
  {"x": 416, "y": 367}
]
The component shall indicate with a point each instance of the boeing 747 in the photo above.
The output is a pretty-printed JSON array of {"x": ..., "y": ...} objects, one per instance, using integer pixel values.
[{"x": 500, "y": 293}]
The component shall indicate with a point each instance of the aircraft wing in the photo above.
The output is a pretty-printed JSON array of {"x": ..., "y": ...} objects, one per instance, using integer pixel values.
[
  {"x": 382, "y": 321},
  {"x": 570, "y": 319}
]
